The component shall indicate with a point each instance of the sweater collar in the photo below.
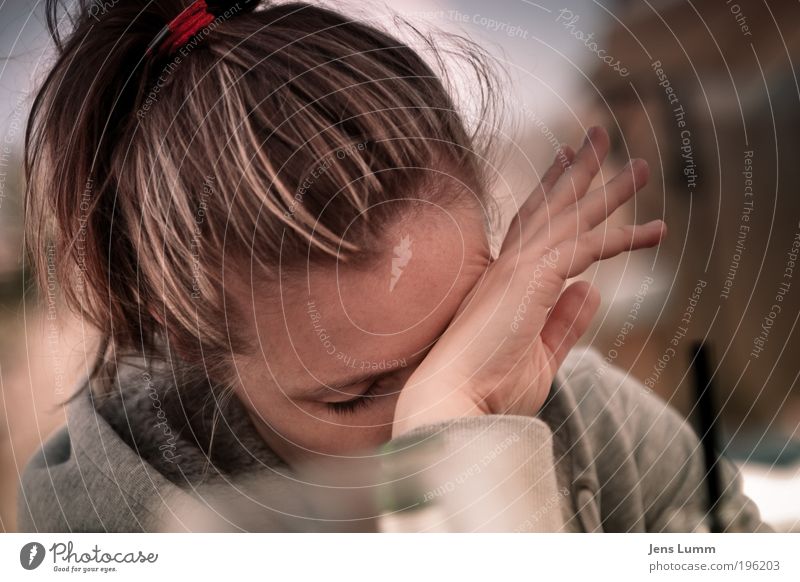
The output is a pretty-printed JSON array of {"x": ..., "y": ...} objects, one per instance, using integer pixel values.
[{"x": 148, "y": 435}]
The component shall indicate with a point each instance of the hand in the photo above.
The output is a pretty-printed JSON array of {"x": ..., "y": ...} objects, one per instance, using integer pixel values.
[{"x": 512, "y": 332}]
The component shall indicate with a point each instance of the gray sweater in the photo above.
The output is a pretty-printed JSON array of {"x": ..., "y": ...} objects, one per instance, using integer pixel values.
[{"x": 603, "y": 454}]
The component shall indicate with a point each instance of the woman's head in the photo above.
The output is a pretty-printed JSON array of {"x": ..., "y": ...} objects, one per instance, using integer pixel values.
[{"x": 288, "y": 200}]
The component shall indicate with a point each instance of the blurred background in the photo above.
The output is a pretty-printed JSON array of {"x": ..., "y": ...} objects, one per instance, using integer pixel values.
[{"x": 707, "y": 92}]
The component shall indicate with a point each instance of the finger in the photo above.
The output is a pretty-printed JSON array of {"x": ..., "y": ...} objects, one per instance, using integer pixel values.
[
  {"x": 604, "y": 243},
  {"x": 574, "y": 183},
  {"x": 602, "y": 202},
  {"x": 571, "y": 187},
  {"x": 562, "y": 161},
  {"x": 564, "y": 157},
  {"x": 569, "y": 319}
]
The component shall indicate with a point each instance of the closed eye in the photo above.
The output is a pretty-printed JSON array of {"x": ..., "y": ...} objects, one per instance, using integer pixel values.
[{"x": 363, "y": 400}]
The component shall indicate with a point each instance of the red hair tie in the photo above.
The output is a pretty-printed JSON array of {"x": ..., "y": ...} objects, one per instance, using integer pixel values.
[{"x": 190, "y": 21}]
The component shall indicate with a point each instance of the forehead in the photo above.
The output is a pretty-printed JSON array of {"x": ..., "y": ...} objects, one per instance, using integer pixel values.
[{"x": 335, "y": 321}]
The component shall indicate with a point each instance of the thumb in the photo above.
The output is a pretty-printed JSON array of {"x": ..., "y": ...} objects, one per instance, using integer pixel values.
[{"x": 569, "y": 319}]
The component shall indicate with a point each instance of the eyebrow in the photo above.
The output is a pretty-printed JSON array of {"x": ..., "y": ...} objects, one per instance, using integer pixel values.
[
  {"x": 360, "y": 378},
  {"x": 341, "y": 383},
  {"x": 320, "y": 389}
]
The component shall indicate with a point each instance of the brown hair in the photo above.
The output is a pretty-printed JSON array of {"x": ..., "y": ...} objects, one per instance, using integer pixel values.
[{"x": 146, "y": 177}]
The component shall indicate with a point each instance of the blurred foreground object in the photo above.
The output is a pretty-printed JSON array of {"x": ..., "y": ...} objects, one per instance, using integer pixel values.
[{"x": 465, "y": 479}]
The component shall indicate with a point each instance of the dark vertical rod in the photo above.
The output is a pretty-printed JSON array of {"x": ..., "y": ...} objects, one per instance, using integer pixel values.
[{"x": 709, "y": 437}]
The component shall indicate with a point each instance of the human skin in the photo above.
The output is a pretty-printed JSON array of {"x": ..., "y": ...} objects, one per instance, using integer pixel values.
[{"x": 460, "y": 333}]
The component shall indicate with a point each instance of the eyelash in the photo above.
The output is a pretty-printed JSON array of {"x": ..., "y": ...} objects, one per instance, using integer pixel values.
[{"x": 361, "y": 401}]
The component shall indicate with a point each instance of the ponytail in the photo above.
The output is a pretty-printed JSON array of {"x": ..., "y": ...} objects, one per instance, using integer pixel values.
[{"x": 81, "y": 126}]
